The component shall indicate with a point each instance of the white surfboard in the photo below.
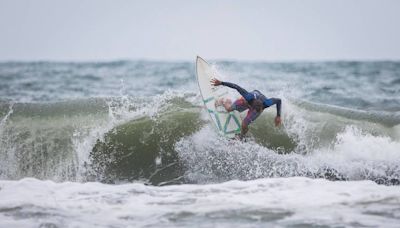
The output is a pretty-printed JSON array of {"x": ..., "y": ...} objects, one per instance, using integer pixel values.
[{"x": 227, "y": 123}]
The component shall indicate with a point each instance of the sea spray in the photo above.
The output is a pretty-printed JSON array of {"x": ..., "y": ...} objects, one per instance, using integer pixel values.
[{"x": 353, "y": 155}]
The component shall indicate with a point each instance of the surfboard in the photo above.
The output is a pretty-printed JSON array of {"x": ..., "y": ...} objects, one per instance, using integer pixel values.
[{"x": 227, "y": 123}]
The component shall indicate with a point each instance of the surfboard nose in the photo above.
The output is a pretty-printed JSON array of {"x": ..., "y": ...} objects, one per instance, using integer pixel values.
[{"x": 200, "y": 60}]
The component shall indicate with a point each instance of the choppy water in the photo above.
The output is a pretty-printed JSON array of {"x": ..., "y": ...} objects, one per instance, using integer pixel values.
[{"x": 119, "y": 122}]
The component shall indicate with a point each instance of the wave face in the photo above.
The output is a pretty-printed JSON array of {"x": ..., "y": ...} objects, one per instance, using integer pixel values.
[
  {"x": 143, "y": 121},
  {"x": 143, "y": 148}
]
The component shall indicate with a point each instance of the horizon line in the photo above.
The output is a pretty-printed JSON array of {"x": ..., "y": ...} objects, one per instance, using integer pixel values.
[{"x": 103, "y": 60}]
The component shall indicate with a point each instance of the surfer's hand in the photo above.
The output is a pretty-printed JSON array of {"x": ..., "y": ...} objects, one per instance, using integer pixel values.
[
  {"x": 215, "y": 82},
  {"x": 278, "y": 120}
]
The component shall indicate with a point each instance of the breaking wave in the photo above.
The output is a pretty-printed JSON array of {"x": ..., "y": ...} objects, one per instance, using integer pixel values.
[{"x": 168, "y": 139}]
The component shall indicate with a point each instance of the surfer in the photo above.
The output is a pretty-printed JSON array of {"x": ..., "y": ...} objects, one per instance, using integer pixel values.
[{"x": 254, "y": 101}]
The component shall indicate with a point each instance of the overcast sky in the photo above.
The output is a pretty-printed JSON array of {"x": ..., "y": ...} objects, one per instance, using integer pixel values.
[{"x": 216, "y": 29}]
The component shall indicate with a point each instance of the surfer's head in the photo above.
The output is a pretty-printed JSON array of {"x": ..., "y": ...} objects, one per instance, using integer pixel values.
[{"x": 257, "y": 105}]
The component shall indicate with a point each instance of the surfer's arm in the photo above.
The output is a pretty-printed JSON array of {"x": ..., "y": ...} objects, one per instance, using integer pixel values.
[
  {"x": 248, "y": 96},
  {"x": 278, "y": 103},
  {"x": 274, "y": 101}
]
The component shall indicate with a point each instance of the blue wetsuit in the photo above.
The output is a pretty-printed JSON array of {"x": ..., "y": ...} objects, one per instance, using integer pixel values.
[{"x": 250, "y": 97}]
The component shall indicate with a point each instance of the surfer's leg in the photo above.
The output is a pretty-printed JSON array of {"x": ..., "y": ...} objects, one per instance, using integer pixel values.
[
  {"x": 239, "y": 105},
  {"x": 252, "y": 115},
  {"x": 243, "y": 130}
]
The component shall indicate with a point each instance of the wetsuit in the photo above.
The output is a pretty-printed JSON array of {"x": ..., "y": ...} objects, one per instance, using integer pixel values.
[{"x": 246, "y": 101}]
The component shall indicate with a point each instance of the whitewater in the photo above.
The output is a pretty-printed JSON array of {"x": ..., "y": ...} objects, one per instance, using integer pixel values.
[{"x": 128, "y": 144}]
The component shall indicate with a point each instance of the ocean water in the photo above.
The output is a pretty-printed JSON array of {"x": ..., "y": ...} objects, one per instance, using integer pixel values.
[{"x": 128, "y": 144}]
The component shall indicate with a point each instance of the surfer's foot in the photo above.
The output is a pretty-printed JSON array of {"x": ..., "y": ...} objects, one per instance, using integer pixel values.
[{"x": 239, "y": 137}]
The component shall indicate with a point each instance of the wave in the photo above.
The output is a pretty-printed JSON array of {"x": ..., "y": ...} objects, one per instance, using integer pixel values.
[
  {"x": 167, "y": 139},
  {"x": 389, "y": 119},
  {"x": 353, "y": 156},
  {"x": 280, "y": 202},
  {"x": 144, "y": 148}
]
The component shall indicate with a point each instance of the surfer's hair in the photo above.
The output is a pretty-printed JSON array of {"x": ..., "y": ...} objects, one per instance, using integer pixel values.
[{"x": 257, "y": 105}]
